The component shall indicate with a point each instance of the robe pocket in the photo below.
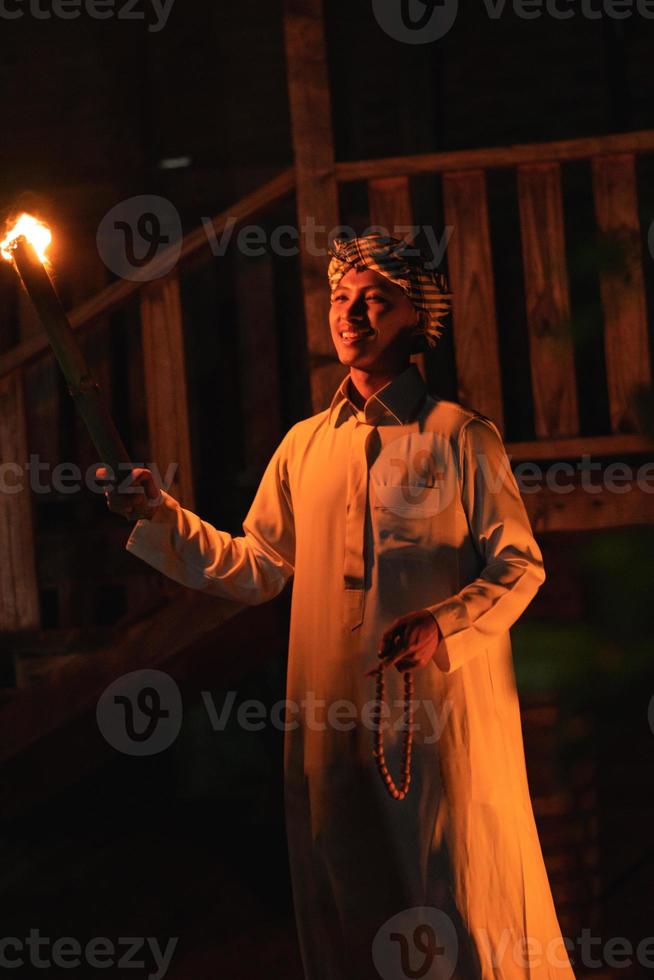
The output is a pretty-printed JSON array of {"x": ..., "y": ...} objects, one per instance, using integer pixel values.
[
  {"x": 407, "y": 502},
  {"x": 406, "y": 518}
]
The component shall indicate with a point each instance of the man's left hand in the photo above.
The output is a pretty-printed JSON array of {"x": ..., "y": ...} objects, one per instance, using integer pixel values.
[{"x": 410, "y": 643}]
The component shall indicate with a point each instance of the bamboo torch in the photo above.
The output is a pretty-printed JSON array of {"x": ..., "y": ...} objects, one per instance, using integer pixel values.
[{"x": 26, "y": 245}]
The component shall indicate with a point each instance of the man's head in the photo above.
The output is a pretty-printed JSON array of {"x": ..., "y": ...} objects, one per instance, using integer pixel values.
[
  {"x": 371, "y": 320},
  {"x": 384, "y": 301}
]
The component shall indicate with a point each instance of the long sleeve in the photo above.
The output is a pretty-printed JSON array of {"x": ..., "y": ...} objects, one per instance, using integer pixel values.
[
  {"x": 501, "y": 533},
  {"x": 250, "y": 568}
]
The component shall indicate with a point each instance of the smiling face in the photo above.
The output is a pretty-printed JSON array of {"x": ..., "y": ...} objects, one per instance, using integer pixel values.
[{"x": 371, "y": 322}]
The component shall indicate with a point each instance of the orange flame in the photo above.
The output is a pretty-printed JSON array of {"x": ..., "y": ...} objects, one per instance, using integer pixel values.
[{"x": 38, "y": 234}]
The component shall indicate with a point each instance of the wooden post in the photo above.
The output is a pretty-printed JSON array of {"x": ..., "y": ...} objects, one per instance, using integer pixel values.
[
  {"x": 389, "y": 202},
  {"x": 19, "y": 602},
  {"x": 259, "y": 369},
  {"x": 548, "y": 301},
  {"x": 317, "y": 192},
  {"x": 470, "y": 269},
  {"x": 623, "y": 292},
  {"x": 165, "y": 384}
]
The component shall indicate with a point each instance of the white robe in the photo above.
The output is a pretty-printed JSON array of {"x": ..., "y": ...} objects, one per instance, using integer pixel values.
[{"x": 408, "y": 504}]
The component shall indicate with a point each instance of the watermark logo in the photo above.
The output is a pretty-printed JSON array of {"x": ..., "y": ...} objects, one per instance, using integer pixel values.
[
  {"x": 141, "y": 712},
  {"x": 141, "y": 238},
  {"x": 67, "y": 478},
  {"x": 416, "y": 944},
  {"x": 135, "y": 233},
  {"x": 415, "y": 21},
  {"x": 531, "y": 953},
  {"x": 154, "y": 12},
  {"x": 411, "y": 477},
  {"x": 426, "y": 21},
  {"x": 315, "y": 239},
  {"x": 143, "y": 953}
]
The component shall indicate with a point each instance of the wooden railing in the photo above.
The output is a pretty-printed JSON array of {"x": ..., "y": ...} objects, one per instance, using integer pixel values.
[
  {"x": 537, "y": 169},
  {"x": 193, "y": 245},
  {"x": 162, "y": 336},
  {"x": 463, "y": 174}
]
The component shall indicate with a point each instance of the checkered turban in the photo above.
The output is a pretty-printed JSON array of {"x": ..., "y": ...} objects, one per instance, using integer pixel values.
[{"x": 401, "y": 263}]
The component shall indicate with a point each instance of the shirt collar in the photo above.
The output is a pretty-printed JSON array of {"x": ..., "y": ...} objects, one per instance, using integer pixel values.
[{"x": 400, "y": 398}]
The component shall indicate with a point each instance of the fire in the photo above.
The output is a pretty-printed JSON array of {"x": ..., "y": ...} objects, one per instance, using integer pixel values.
[{"x": 33, "y": 230}]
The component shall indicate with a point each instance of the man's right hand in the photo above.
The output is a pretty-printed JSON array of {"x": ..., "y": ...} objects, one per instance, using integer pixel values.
[{"x": 138, "y": 497}]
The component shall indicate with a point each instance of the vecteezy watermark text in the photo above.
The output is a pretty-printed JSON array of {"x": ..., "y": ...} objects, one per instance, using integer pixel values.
[
  {"x": 316, "y": 239},
  {"x": 140, "y": 238},
  {"x": 140, "y": 714},
  {"x": 319, "y": 715},
  {"x": 154, "y": 12},
  {"x": 99, "y": 953},
  {"x": 559, "y": 477},
  {"x": 422, "y": 941},
  {"x": 68, "y": 478},
  {"x": 426, "y": 21}
]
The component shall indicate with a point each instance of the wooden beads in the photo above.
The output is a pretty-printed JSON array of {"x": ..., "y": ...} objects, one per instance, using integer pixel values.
[{"x": 378, "y": 737}]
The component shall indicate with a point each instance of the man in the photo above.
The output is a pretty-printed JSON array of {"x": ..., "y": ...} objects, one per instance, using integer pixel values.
[{"x": 399, "y": 517}]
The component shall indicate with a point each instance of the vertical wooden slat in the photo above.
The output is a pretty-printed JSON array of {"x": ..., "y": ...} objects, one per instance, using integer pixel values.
[
  {"x": 623, "y": 293},
  {"x": 470, "y": 270},
  {"x": 165, "y": 384},
  {"x": 390, "y": 208},
  {"x": 261, "y": 405},
  {"x": 19, "y": 602},
  {"x": 389, "y": 202},
  {"x": 317, "y": 194},
  {"x": 548, "y": 301}
]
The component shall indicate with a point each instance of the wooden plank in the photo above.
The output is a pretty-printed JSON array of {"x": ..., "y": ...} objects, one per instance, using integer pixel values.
[
  {"x": 259, "y": 368},
  {"x": 623, "y": 292},
  {"x": 119, "y": 292},
  {"x": 164, "y": 366},
  {"x": 470, "y": 270},
  {"x": 617, "y": 445},
  {"x": 19, "y": 602},
  {"x": 547, "y": 299},
  {"x": 59, "y": 642},
  {"x": 390, "y": 208},
  {"x": 640, "y": 141},
  {"x": 389, "y": 203},
  {"x": 580, "y": 510},
  {"x": 37, "y": 654},
  {"x": 317, "y": 194}
]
